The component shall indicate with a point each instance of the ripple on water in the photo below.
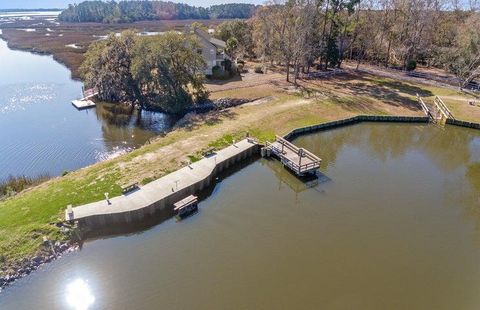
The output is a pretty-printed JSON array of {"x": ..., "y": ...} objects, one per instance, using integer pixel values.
[{"x": 17, "y": 97}]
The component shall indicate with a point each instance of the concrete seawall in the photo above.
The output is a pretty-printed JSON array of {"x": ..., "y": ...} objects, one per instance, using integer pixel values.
[
  {"x": 354, "y": 120},
  {"x": 460, "y": 123},
  {"x": 163, "y": 192}
]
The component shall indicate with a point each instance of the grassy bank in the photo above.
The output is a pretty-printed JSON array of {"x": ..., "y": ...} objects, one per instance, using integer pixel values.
[
  {"x": 15, "y": 184},
  {"x": 33, "y": 213}
]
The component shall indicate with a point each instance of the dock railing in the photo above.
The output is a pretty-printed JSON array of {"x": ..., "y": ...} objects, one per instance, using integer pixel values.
[
  {"x": 89, "y": 93},
  {"x": 443, "y": 108},
  {"x": 312, "y": 164},
  {"x": 424, "y": 106}
]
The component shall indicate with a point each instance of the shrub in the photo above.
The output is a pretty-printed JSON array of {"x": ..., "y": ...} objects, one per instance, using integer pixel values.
[
  {"x": 217, "y": 72},
  {"x": 225, "y": 71},
  {"x": 147, "y": 180},
  {"x": 229, "y": 68},
  {"x": 411, "y": 65},
  {"x": 194, "y": 158},
  {"x": 240, "y": 61},
  {"x": 258, "y": 69},
  {"x": 240, "y": 67}
]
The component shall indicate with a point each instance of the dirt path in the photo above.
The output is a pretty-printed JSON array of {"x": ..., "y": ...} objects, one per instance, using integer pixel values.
[
  {"x": 396, "y": 75},
  {"x": 246, "y": 80}
]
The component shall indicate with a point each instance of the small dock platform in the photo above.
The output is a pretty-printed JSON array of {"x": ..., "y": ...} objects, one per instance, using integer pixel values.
[
  {"x": 298, "y": 160},
  {"x": 186, "y": 207},
  {"x": 83, "y": 104}
]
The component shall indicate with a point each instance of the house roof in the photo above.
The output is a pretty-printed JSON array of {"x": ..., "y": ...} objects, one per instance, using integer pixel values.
[{"x": 206, "y": 36}]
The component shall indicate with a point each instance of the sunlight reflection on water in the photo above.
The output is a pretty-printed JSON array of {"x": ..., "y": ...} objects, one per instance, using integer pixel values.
[
  {"x": 79, "y": 295},
  {"x": 17, "y": 97},
  {"x": 113, "y": 153}
]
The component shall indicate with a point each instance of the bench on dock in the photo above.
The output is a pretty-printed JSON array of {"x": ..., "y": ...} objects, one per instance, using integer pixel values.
[
  {"x": 186, "y": 206},
  {"x": 129, "y": 188}
]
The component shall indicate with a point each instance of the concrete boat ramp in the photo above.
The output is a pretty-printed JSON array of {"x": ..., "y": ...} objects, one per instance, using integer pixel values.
[{"x": 163, "y": 192}]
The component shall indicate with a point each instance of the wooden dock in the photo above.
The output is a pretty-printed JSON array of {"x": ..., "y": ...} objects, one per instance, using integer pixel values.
[
  {"x": 299, "y": 160},
  {"x": 83, "y": 104},
  {"x": 442, "y": 108},
  {"x": 186, "y": 207},
  {"x": 438, "y": 112}
]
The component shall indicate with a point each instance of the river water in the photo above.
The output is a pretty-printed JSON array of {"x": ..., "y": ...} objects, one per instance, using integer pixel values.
[
  {"x": 42, "y": 133},
  {"x": 392, "y": 222}
]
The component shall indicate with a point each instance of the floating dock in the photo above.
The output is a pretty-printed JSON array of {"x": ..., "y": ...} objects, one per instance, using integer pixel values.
[
  {"x": 299, "y": 160},
  {"x": 83, "y": 104}
]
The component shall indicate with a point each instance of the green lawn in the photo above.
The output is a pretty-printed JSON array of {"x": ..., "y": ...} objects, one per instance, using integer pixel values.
[{"x": 24, "y": 219}]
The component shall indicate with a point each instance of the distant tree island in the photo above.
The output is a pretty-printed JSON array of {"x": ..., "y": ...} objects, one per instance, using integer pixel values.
[{"x": 132, "y": 11}]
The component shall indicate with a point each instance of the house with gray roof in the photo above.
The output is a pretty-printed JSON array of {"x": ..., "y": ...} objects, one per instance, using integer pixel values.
[{"x": 212, "y": 50}]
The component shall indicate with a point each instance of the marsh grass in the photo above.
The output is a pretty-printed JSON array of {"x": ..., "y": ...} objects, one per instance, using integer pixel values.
[{"x": 15, "y": 184}]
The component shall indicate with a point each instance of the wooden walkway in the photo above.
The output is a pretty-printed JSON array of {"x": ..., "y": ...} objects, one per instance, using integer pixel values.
[
  {"x": 299, "y": 160},
  {"x": 442, "y": 108},
  {"x": 89, "y": 93},
  {"x": 438, "y": 113}
]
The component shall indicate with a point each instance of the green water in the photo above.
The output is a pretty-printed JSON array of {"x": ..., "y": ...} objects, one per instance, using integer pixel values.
[{"x": 392, "y": 222}]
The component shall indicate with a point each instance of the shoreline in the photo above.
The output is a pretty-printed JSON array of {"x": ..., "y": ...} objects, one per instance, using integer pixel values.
[
  {"x": 74, "y": 75},
  {"x": 212, "y": 128},
  {"x": 25, "y": 267},
  {"x": 29, "y": 265}
]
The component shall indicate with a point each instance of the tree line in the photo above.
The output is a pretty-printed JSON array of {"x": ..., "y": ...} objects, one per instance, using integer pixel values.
[
  {"x": 165, "y": 72},
  {"x": 303, "y": 34},
  {"x": 131, "y": 11}
]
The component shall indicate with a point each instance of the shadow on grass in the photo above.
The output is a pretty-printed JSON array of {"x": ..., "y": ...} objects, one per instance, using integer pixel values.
[
  {"x": 210, "y": 119},
  {"x": 236, "y": 78},
  {"x": 363, "y": 87}
]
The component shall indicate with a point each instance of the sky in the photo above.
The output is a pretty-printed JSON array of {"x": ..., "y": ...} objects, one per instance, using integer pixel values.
[{"x": 35, "y": 4}]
